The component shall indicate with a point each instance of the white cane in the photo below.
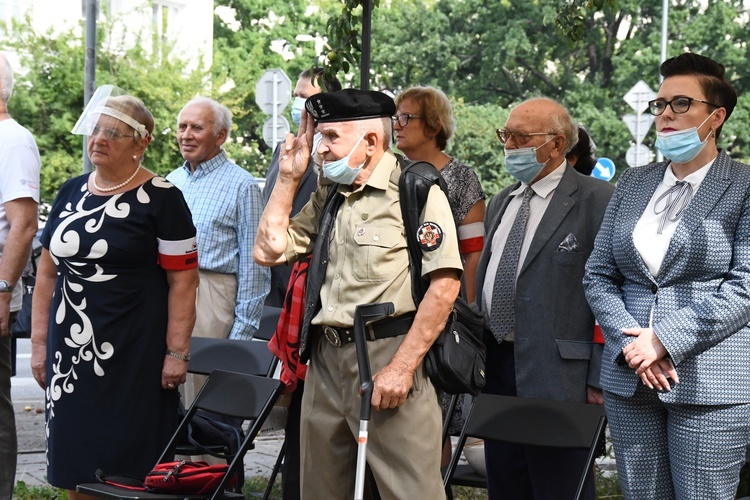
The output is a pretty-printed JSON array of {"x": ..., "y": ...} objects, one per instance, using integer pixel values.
[{"x": 364, "y": 314}]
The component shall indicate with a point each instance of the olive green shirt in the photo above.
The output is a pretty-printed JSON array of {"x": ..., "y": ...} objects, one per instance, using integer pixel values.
[{"x": 368, "y": 254}]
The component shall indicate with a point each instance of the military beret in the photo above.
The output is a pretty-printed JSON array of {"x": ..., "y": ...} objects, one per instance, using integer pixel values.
[{"x": 349, "y": 105}]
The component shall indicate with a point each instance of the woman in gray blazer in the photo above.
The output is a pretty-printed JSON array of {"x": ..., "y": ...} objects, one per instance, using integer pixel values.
[{"x": 669, "y": 282}]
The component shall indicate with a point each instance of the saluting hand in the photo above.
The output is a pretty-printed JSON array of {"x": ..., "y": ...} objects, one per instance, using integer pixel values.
[{"x": 294, "y": 156}]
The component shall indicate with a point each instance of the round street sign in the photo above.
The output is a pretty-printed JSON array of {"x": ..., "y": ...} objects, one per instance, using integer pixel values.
[
  {"x": 282, "y": 129},
  {"x": 273, "y": 91},
  {"x": 638, "y": 155},
  {"x": 604, "y": 169}
]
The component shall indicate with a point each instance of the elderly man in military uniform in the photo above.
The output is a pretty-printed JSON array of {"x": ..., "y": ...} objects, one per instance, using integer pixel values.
[{"x": 354, "y": 228}]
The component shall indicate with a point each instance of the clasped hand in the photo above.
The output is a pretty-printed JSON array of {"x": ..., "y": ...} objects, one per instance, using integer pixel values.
[{"x": 646, "y": 355}]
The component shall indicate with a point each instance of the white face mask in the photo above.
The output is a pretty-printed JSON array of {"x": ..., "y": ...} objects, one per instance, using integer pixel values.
[
  {"x": 522, "y": 164},
  {"x": 340, "y": 171},
  {"x": 297, "y": 106},
  {"x": 682, "y": 146}
]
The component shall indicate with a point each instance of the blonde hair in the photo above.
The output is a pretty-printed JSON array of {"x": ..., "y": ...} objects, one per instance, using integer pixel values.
[{"x": 135, "y": 109}]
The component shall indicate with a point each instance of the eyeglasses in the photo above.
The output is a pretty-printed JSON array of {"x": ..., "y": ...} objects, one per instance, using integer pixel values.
[
  {"x": 403, "y": 118},
  {"x": 110, "y": 134},
  {"x": 519, "y": 138},
  {"x": 679, "y": 105}
]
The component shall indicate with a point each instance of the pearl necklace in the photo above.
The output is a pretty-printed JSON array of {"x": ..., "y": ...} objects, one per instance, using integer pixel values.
[{"x": 114, "y": 188}]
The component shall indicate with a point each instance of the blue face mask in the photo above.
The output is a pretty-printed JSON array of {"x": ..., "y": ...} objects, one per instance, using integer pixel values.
[
  {"x": 297, "y": 106},
  {"x": 340, "y": 171},
  {"x": 682, "y": 146},
  {"x": 521, "y": 163}
]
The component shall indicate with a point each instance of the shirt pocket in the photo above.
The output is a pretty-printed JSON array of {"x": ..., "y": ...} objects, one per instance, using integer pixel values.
[{"x": 378, "y": 255}]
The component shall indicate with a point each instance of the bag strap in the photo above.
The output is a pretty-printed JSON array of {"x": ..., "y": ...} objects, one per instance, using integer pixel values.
[
  {"x": 229, "y": 430},
  {"x": 414, "y": 184},
  {"x": 127, "y": 482}
]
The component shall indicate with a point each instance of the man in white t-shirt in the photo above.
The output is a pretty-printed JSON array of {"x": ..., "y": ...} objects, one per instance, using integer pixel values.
[{"x": 19, "y": 199}]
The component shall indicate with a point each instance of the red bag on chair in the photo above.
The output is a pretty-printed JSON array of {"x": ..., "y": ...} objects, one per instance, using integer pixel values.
[{"x": 183, "y": 476}]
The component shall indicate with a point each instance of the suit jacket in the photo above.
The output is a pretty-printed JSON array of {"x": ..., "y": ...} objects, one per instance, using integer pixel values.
[
  {"x": 700, "y": 296},
  {"x": 554, "y": 351}
]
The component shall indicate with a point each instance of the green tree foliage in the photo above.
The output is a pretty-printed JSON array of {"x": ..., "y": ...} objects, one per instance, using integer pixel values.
[
  {"x": 244, "y": 50},
  {"x": 487, "y": 56},
  {"x": 48, "y": 98},
  {"x": 499, "y": 53}
]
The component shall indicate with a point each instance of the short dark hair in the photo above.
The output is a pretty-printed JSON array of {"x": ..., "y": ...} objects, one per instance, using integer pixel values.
[
  {"x": 711, "y": 76},
  {"x": 315, "y": 74},
  {"x": 584, "y": 152}
]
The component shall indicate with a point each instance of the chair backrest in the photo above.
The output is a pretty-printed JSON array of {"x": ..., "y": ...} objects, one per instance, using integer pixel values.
[
  {"x": 241, "y": 356},
  {"x": 230, "y": 394},
  {"x": 534, "y": 422},
  {"x": 268, "y": 320}
]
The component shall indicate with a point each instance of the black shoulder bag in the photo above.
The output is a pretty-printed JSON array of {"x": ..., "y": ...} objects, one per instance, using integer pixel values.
[{"x": 455, "y": 362}]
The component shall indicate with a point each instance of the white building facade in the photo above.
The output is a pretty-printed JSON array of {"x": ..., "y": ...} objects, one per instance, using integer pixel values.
[{"x": 187, "y": 24}]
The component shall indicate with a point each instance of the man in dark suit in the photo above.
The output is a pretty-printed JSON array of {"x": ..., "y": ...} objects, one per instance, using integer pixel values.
[{"x": 540, "y": 330}]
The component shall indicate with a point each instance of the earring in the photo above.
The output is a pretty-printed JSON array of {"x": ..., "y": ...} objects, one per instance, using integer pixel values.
[{"x": 135, "y": 157}]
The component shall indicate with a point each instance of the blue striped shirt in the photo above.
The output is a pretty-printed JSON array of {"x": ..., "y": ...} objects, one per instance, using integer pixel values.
[{"x": 226, "y": 204}]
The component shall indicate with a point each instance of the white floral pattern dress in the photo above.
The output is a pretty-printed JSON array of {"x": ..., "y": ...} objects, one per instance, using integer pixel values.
[{"x": 107, "y": 329}]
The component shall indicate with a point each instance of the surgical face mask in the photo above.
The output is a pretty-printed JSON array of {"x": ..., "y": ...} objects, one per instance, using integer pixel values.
[
  {"x": 521, "y": 163},
  {"x": 340, "y": 171},
  {"x": 681, "y": 146},
  {"x": 297, "y": 106}
]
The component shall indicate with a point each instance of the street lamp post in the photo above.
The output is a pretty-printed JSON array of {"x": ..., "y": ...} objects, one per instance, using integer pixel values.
[{"x": 89, "y": 79}]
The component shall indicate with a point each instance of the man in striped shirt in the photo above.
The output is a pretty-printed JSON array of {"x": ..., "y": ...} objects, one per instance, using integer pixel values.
[{"x": 226, "y": 204}]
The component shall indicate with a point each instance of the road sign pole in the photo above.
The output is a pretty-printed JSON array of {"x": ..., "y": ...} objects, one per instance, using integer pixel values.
[
  {"x": 637, "y": 97},
  {"x": 275, "y": 113},
  {"x": 272, "y": 94}
]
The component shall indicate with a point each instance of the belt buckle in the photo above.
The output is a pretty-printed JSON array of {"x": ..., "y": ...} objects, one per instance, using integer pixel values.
[{"x": 332, "y": 336}]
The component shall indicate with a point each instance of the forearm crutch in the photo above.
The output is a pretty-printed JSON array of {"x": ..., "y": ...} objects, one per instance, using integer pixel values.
[{"x": 364, "y": 314}]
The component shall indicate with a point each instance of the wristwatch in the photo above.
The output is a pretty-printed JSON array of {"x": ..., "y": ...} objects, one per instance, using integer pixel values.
[{"x": 5, "y": 287}]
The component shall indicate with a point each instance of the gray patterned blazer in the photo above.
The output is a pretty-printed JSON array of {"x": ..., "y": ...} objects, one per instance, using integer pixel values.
[{"x": 701, "y": 296}]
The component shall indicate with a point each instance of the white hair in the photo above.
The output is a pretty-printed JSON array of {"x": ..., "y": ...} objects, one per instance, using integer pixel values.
[
  {"x": 6, "y": 79},
  {"x": 222, "y": 115},
  {"x": 381, "y": 126}
]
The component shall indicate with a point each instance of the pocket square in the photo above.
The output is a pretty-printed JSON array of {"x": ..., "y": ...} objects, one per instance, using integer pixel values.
[{"x": 569, "y": 244}]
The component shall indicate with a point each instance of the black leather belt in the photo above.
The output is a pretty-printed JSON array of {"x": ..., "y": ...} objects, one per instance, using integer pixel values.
[{"x": 387, "y": 328}]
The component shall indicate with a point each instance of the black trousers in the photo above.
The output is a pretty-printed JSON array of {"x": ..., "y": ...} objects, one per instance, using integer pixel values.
[{"x": 516, "y": 472}]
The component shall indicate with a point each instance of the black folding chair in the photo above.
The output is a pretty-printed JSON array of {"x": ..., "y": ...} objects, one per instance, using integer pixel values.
[
  {"x": 238, "y": 395},
  {"x": 531, "y": 422},
  {"x": 268, "y": 320},
  {"x": 242, "y": 356},
  {"x": 251, "y": 357}
]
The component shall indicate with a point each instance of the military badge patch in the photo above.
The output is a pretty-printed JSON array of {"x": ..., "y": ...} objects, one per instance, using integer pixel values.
[{"x": 429, "y": 236}]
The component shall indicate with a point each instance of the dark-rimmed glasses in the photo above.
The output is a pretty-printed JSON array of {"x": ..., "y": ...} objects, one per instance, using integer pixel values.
[
  {"x": 519, "y": 138},
  {"x": 679, "y": 105},
  {"x": 403, "y": 118}
]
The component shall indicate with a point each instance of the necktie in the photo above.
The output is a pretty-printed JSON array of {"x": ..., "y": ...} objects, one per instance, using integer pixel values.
[{"x": 502, "y": 316}]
